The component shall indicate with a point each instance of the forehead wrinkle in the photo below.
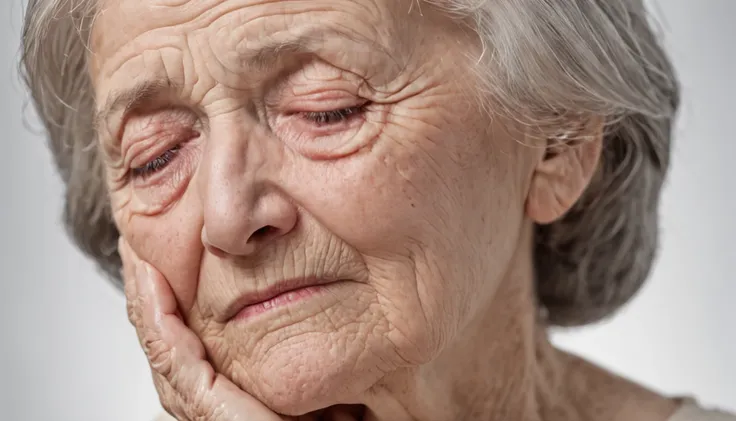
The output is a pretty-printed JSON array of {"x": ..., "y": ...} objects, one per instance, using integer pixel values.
[
  {"x": 264, "y": 55},
  {"x": 145, "y": 91}
]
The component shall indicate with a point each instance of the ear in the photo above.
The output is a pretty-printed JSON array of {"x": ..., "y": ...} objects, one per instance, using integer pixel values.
[{"x": 563, "y": 173}]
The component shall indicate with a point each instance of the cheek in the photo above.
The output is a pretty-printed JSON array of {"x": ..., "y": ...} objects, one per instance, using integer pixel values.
[
  {"x": 378, "y": 195},
  {"x": 366, "y": 202},
  {"x": 407, "y": 207},
  {"x": 396, "y": 196},
  {"x": 170, "y": 242},
  {"x": 441, "y": 208}
]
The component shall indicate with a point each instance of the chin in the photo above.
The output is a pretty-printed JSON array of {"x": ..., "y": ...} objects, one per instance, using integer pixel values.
[
  {"x": 314, "y": 372},
  {"x": 315, "y": 354}
]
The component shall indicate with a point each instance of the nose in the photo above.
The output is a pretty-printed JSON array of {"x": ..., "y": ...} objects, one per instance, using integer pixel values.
[{"x": 244, "y": 209}]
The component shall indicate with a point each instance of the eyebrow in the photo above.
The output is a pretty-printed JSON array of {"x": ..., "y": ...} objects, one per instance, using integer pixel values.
[
  {"x": 144, "y": 92},
  {"x": 128, "y": 99}
]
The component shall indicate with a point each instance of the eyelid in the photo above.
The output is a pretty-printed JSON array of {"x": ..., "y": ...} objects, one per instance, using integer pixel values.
[
  {"x": 327, "y": 101},
  {"x": 160, "y": 128},
  {"x": 145, "y": 150}
]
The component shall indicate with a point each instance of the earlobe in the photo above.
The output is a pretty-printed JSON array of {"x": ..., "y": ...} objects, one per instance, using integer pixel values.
[{"x": 564, "y": 172}]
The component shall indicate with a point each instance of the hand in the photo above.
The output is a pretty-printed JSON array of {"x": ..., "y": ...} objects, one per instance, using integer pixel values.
[{"x": 188, "y": 386}]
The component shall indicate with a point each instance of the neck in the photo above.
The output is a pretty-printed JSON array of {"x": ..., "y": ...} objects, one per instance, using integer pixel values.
[{"x": 503, "y": 367}]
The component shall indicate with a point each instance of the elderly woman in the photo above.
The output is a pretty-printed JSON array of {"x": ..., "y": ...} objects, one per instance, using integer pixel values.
[{"x": 364, "y": 209}]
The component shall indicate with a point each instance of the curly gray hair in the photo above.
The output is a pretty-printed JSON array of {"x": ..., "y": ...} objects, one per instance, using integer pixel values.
[{"x": 540, "y": 58}]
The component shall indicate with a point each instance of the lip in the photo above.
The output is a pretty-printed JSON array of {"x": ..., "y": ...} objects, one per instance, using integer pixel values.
[{"x": 253, "y": 298}]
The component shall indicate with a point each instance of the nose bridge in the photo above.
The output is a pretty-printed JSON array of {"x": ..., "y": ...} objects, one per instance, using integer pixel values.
[
  {"x": 231, "y": 169},
  {"x": 231, "y": 163}
]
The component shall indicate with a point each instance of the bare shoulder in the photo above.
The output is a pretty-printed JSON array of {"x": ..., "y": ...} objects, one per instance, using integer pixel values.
[
  {"x": 164, "y": 417},
  {"x": 691, "y": 411}
]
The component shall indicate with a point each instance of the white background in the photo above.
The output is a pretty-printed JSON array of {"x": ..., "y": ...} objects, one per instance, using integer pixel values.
[{"x": 67, "y": 352}]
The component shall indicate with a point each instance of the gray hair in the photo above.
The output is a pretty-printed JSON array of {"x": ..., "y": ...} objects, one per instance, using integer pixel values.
[{"x": 541, "y": 59}]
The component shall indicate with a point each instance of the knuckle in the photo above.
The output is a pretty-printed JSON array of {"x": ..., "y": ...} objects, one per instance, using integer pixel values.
[
  {"x": 188, "y": 398},
  {"x": 169, "y": 399},
  {"x": 200, "y": 411},
  {"x": 200, "y": 403},
  {"x": 167, "y": 405},
  {"x": 133, "y": 308},
  {"x": 132, "y": 313},
  {"x": 159, "y": 355},
  {"x": 165, "y": 396}
]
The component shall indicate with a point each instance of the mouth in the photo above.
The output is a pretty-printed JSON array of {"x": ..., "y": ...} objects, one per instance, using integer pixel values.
[{"x": 278, "y": 295}]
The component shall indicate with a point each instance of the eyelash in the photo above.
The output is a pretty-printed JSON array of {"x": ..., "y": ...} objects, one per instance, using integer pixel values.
[
  {"x": 324, "y": 118},
  {"x": 157, "y": 164},
  {"x": 319, "y": 118}
]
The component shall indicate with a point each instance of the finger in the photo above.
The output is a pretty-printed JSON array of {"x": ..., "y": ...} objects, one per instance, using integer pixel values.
[
  {"x": 178, "y": 355},
  {"x": 174, "y": 403},
  {"x": 170, "y": 399},
  {"x": 128, "y": 272}
]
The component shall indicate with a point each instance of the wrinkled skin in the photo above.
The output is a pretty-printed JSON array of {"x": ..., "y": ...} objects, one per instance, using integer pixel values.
[{"x": 414, "y": 197}]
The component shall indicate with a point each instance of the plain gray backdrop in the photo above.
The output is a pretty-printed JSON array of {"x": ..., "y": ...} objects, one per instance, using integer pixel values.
[{"x": 67, "y": 352}]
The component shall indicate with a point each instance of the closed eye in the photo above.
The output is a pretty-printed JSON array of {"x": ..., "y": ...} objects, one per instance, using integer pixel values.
[
  {"x": 326, "y": 118},
  {"x": 157, "y": 164}
]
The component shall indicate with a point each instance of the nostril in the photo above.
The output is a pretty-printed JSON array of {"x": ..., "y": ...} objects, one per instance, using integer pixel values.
[{"x": 262, "y": 233}]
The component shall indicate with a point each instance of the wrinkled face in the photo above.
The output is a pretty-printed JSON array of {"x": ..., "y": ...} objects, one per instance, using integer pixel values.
[{"x": 329, "y": 148}]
